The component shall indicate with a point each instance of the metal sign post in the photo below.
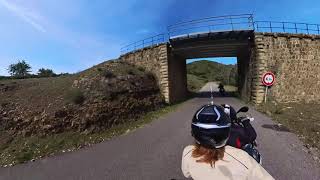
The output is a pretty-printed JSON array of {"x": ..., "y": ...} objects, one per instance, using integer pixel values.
[
  {"x": 265, "y": 94},
  {"x": 268, "y": 79}
]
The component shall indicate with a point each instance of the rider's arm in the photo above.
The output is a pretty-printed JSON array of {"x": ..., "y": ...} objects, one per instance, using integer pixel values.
[
  {"x": 184, "y": 163},
  {"x": 251, "y": 134}
]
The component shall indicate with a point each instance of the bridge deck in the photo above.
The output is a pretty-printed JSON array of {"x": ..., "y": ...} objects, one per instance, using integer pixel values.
[{"x": 211, "y": 44}]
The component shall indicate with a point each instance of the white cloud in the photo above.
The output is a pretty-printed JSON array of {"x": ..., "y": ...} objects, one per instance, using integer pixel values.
[
  {"x": 76, "y": 48},
  {"x": 28, "y": 16}
]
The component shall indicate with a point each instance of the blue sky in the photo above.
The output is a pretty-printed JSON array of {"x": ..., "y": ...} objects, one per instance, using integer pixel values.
[
  {"x": 70, "y": 36},
  {"x": 223, "y": 60}
]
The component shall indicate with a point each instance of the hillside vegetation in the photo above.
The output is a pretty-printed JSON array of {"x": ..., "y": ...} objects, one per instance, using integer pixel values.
[
  {"x": 201, "y": 72},
  {"x": 39, "y": 116}
]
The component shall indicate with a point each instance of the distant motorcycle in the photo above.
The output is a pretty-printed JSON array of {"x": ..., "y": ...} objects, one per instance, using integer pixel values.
[{"x": 222, "y": 91}]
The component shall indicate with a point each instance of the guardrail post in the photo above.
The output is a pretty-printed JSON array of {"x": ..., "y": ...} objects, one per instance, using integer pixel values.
[
  {"x": 252, "y": 21},
  {"x": 295, "y": 25},
  {"x": 270, "y": 26},
  {"x": 318, "y": 28},
  {"x": 231, "y": 23},
  {"x": 307, "y": 28},
  {"x": 283, "y": 27}
]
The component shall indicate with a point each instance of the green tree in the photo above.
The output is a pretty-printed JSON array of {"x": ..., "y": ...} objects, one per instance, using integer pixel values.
[
  {"x": 20, "y": 69},
  {"x": 46, "y": 72}
]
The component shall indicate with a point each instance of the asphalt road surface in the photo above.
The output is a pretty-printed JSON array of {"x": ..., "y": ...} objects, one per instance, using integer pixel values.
[{"x": 154, "y": 152}]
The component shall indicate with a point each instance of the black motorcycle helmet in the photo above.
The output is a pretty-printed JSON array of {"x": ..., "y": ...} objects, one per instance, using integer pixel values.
[{"x": 211, "y": 126}]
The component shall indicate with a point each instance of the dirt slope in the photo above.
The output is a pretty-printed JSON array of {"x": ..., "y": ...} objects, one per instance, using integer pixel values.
[{"x": 98, "y": 98}]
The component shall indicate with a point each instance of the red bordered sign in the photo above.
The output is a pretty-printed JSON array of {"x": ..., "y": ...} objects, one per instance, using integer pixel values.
[{"x": 268, "y": 78}]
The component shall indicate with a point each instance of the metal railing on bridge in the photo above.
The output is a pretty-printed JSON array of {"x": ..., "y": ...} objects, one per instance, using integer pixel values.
[
  {"x": 150, "y": 41},
  {"x": 222, "y": 23},
  {"x": 212, "y": 24},
  {"x": 286, "y": 27}
]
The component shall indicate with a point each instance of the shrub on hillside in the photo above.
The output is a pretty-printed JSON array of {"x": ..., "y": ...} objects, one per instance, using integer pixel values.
[
  {"x": 150, "y": 75},
  {"x": 75, "y": 96},
  {"x": 142, "y": 69},
  {"x": 108, "y": 74},
  {"x": 46, "y": 73},
  {"x": 131, "y": 72}
]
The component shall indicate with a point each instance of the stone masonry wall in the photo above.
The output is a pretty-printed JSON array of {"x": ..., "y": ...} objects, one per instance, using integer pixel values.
[
  {"x": 257, "y": 66},
  {"x": 177, "y": 78},
  {"x": 155, "y": 60},
  {"x": 295, "y": 60},
  {"x": 245, "y": 61}
]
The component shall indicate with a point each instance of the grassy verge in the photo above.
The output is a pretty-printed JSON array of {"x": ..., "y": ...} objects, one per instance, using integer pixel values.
[
  {"x": 195, "y": 83},
  {"x": 22, "y": 149},
  {"x": 230, "y": 88},
  {"x": 300, "y": 118}
]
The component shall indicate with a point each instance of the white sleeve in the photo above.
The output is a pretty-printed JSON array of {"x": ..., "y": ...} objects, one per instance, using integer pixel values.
[
  {"x": 184, "y": 163},
  {"x": 258, "y": 172}
]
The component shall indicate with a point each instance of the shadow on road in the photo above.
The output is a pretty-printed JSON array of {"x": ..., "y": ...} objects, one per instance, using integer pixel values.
[{"x": 276, "y": 127}]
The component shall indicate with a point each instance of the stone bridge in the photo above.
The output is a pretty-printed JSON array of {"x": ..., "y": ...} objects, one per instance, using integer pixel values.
[{"x": 293, "y": 57}]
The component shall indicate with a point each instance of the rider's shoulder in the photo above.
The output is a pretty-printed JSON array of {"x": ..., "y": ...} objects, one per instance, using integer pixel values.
[
  {"x": 188, "y": 149},
  {"x": 239, "y": 154},
  {"x": 233, "y": 150}
]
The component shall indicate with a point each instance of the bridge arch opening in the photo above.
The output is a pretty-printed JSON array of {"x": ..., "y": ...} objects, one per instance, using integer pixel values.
[
  {"x": 220, "y": 70},
  {"x": 228, "y": 44}
]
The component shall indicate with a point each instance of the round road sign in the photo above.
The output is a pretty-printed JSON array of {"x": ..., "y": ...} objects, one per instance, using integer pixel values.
[{"x": 268, "y": 78}]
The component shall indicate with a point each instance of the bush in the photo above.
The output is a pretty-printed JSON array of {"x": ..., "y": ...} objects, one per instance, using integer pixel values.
[
  {"x": 278, "y": 110},
  {"x": 142, "y": 69},
  {"x": 108, "y": 74},
  {"x": 75, "y": 96},
  {"x": 150, "y": 75},
  {"x": 131, "y": 72},
  {"x": 46, "y": 73},
  {"x": 195, "y": 82}
]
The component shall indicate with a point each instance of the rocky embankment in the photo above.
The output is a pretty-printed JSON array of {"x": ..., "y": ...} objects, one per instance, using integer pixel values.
[{"x": 105, "y": 95}]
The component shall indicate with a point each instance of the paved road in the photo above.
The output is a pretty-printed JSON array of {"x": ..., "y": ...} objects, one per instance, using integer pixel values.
[{"x": 154, "y": 152}]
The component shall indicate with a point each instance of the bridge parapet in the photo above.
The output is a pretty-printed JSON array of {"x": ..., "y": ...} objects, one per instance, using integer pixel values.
[
  {"x": 212, "y": 24},
  {"x": 209, "y": 25}
]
